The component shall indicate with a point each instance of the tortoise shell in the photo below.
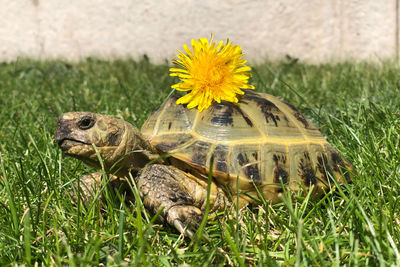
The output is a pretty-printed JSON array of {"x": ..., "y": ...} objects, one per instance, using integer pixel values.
[{"x": 259, "y": 141}]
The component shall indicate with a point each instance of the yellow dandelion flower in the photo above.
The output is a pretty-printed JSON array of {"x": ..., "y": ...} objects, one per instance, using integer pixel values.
[{"x": 210, "y": 72}]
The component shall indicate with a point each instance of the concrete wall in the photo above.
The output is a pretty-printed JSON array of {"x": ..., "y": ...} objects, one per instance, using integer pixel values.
[{"x": 312, "y": 30}]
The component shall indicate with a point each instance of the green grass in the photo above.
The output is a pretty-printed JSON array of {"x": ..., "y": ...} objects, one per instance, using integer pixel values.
[{"x": 357, "y": 106}]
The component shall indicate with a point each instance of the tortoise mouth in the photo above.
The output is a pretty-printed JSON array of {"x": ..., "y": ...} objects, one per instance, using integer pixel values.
[{"x": 65, "y": 144}]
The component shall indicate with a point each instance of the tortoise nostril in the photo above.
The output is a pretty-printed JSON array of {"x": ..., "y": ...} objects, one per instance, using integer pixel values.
[
  {"x": 59, "y": 120},
  {"x": 62, "y": 130}
]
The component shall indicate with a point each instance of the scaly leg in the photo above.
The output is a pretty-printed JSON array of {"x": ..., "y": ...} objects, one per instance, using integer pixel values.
[
  {"x": 181, "y": 195},
  {"x": 91, "y": 183}
]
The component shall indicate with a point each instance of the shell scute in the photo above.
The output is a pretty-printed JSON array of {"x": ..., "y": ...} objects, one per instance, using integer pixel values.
[
  {"x": 170, "y": 118},
  {"x": 281, "y": 169},
  {"x": 220, "y": 153},
  {"x": 195, "y": 154},
  {"x": 225, "y": 122},
  {"x": 269, "y": 117},
  {"x": 306, "y": 170},
  {"x": 301, "y": 166},
  {"x": 270, "y": 111},
  {"x": 170, "y": 142},
  {"x": 338, "y": 165},
  {"x": 275, "y": 164},
  {"x": 299, "y": 116},
  {"x": 244, "y": 162}
]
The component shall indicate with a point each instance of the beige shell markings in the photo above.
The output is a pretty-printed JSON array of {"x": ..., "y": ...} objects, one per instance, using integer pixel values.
[{"x": 262, "y": 140}]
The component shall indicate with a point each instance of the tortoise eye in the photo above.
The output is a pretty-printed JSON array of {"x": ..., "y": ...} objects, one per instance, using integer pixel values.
[{"x": 86, "y": 123}]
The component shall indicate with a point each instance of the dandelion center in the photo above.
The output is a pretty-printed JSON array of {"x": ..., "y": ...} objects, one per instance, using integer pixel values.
[{"x": 213, "y": 76}]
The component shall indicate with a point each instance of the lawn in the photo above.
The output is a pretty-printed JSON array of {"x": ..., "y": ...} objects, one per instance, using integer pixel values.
[{"x": 355, "y": 105}]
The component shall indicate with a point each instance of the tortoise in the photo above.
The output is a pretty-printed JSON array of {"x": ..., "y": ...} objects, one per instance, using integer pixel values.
[{"x": 252, "y": 149}]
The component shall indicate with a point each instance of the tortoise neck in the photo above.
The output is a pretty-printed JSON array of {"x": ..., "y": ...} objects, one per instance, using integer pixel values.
[{"x": 138, "y": 151}]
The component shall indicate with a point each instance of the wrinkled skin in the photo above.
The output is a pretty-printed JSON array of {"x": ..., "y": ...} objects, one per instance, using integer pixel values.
[{"x": 123, "y": 150}]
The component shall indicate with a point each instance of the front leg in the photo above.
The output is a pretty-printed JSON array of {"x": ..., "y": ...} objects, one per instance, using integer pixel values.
[
  {"x": 87, "y": 186},
  {"x": 90, "y": 184},
  {"x": 181, "y": 195}
]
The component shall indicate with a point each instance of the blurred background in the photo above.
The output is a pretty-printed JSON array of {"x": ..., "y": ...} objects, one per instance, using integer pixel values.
[{"x": 314, "y": 31}]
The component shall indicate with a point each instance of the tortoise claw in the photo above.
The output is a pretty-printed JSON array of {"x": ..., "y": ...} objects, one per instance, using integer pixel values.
[
  {"x": 183, "y": 229},
  {"x": 187, "y": 232}
]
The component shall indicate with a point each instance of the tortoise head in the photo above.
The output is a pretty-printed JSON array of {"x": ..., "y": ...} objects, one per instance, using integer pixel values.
[{"x": 80, "y": 134}]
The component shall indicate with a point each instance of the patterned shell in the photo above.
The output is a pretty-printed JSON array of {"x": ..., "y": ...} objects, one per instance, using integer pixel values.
[{"x": 261, "y": 140}]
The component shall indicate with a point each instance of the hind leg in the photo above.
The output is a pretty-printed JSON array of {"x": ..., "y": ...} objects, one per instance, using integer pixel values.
[{"x": 181, "y": 195}]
